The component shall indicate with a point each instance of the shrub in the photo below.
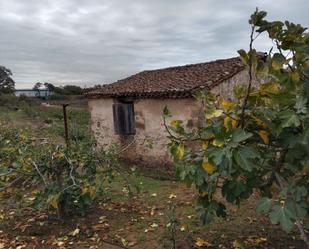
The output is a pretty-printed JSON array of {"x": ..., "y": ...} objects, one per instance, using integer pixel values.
[
  {"x": 13, "y": 102},
  {"x": 66, "y": 179},
  {"x": 8, "y": 100}
]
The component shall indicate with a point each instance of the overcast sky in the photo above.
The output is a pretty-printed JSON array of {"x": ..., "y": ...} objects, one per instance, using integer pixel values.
[{"x": 89, "y": 42}]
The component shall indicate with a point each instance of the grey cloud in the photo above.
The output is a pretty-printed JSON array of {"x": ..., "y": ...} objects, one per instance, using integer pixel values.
[{"x": 97, "y": 41}]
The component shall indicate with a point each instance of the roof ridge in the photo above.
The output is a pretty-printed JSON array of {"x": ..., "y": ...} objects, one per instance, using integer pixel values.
[{"x": 186, "y": 65}]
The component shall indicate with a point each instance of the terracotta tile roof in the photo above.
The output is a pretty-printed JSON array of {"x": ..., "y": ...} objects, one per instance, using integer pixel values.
[{"x": 171, "y": 82}]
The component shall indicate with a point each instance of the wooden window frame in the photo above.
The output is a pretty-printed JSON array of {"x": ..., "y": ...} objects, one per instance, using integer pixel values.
[{"x": 123, "y": 116}]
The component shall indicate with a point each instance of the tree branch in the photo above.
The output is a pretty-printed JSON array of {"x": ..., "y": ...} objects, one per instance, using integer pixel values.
[
  {"x": 39, "y": 172},
  {"x": 250, "y": 62},
  {"x": 173, "y": 137},
  {"x": 227, "y": 114},
  {"x": 280, "y": 51},
  {"x": 71, "y": 175}
]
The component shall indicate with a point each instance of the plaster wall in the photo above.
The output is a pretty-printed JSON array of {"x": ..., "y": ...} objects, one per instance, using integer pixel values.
[{"x": 148, "y": 147}]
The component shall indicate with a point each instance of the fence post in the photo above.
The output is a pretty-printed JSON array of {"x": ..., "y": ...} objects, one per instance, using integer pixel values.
[{"x": 65, "y": 120}]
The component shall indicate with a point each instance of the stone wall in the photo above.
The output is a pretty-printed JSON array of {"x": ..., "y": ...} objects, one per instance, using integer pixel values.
[{"x": 225, "y": 89}]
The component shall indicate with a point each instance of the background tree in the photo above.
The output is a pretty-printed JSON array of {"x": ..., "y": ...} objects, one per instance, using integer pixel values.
[
  {"x": 7, "y": 84},
  {"x": 49, "y": 86},
  {"x": 258, "y": 143},
  {"x": 37, "y": 86},
  {"x": 72, "y": 90},
  {"x": 65, "y": 90}
]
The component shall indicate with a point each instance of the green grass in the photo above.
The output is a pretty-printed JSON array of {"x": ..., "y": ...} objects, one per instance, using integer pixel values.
[{"x": 48, "y": 121}]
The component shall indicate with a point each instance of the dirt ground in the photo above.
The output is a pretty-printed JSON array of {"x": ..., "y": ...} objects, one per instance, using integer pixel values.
[{"x": 141, "y": 221}]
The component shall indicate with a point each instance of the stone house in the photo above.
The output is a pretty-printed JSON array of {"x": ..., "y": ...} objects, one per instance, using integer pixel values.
[{"x": 129, "y": 111}]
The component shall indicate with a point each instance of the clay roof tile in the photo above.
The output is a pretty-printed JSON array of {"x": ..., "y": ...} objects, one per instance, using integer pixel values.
[{"x": 171, "y": 82}]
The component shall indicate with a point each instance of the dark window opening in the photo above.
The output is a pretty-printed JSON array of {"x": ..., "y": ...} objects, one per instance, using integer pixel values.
[{"x": 123, "y": 113}]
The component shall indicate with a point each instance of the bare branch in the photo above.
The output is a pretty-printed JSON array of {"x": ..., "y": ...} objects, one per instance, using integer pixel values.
[
  {"x": 39, "y": 172},
  {"x": 227, "y": 114},
  {"x": 242, "y": 116},
  {"x": 173, "y": 137},
  {"x": 71, "y": 175},
  {"x": 281, "y": 52},
  {"x": 256, "y": 36}
]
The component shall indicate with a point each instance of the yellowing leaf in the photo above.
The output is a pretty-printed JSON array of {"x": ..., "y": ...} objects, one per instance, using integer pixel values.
[
  {"x": 183, "y": 227},
  {"x": 238, "y": 245},
  {"x": 234, "y": 123},
  {"x": 295, "y": 76},
  {"x": 265, "y": 136},
  {"x": 260, "y": 123},
  {"x": 53, "y": 200},
  {"x": 205, "y": 144},
  {"x": 225, "y": 104},
  {"x": 75, "y": 232},
  {"x": 180, "y": 151},
  {"x": 207, "y": 166},
  {"x": 200, "y": 242},
  {"x": 124, "y": 242},
  {"x": 270, "y": 87},
  {"x": 102, "y": 219},
  {"x": 175, "y": 123},
  {"x": 204, "y": 194},
  {"x": 60, "y": 243},
  {"x": 172, "y": 196},
  {"x": 89, "y": 189},
  {"x": 228, "y": 120},
  {"x": 154, "y": 225},
  {"x": 260, "y": 240},
  {"x": 218, "y": 143},
  {"x": 209, "y": 114}
]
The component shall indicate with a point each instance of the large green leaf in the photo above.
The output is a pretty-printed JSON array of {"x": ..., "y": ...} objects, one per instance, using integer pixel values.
[
  {"x": 277, "y": 61},
  {"x": 239, "y": 135},
  {"x": 206, "y": 132},
  {"x": 301, "y": 210},
  {"x": 300, "y": 104},
  {"x": 283, "y": 215},
  {"x": 264, "y": 204},
  {"x": 250, "y": 151},
  {"x": 216, "y": 154},
  {"x": 243, "y": 158},
  {"x": 289, "y": 119}
]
